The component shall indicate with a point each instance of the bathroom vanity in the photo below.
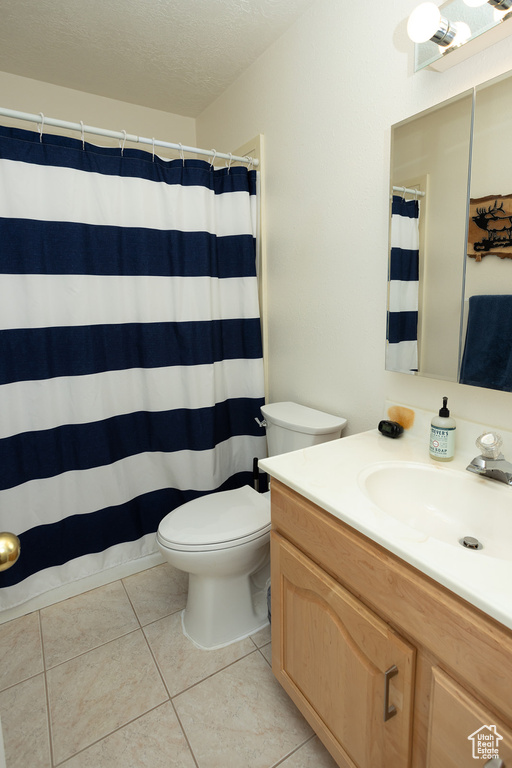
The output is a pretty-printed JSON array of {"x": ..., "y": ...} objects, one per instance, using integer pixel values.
[{"x": 390, "y": 667}]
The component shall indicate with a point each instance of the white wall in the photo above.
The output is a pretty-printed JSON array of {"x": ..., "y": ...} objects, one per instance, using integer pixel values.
[
  {"x": 33, "y": 96},
  {"x": 325, "y": 96}
]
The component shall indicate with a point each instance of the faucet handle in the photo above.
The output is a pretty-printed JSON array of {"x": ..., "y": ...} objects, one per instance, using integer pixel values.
[{"x": 489, "y": 444}]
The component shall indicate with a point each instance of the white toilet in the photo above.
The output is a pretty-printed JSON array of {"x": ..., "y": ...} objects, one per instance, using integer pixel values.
[{"x": 222, "y": 539}]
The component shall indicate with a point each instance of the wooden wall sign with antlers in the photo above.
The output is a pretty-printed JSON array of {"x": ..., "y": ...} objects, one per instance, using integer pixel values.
[{"x": 490, "y": 227}]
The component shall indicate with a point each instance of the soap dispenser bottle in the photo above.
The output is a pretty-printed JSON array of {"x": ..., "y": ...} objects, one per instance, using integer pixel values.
[{"x": 442, "y": 435}]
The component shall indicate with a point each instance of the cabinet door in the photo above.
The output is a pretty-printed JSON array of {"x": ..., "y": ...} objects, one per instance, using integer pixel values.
[
  {"x": 461, "y": 729},
  {"x": 331, "y": 655}
]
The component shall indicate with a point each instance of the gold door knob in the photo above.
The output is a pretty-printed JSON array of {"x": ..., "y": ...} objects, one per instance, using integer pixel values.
[{"x": 9, "y": 550}]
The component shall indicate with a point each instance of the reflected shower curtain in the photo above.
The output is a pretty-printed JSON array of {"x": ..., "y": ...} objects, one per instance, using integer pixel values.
[
  {"x": 130, "y": 350},
  {"x": 402, "y": 327}
]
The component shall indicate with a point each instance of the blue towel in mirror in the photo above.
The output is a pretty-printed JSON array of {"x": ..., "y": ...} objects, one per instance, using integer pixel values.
[{"x": 487, "y": 358}]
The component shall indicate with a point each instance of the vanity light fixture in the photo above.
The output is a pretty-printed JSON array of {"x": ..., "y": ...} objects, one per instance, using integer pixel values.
[{"x": 479, "y": 23}]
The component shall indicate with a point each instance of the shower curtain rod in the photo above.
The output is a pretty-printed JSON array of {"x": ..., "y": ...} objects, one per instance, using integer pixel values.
[
  {"x": 123, "y": 136},
  {"x": 407, "y": 191}
]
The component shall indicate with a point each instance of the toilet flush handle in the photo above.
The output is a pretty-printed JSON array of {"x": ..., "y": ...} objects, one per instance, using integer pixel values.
[{"x": 262, "y": 424}]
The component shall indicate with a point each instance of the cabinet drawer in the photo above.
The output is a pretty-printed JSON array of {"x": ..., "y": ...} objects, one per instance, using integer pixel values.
[
  {"x": 462, "y": 729},
  {"x": 331, "y": 654}
]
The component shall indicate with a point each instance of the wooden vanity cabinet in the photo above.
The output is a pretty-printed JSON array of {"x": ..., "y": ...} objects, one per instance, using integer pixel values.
[
  {"x": 389, "y": 668},
  {"x": 340, "y": 661},
  {"x": 455, "y": 717}
]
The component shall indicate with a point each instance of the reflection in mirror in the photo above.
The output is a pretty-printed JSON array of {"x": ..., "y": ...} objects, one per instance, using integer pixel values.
[
  {"x": 431, "y": 152},
  {"x": 487, "y": 359}
]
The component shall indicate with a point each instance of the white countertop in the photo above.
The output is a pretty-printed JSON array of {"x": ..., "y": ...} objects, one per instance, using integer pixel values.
[{"x": 330, "y": 475}]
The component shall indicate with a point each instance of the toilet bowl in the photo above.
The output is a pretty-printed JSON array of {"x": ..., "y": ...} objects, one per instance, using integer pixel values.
[
  {"x": 222, "y": 539},
  {"x": 222, "y": 542}
]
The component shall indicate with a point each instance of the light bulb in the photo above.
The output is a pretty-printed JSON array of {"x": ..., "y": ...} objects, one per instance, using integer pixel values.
[
  {"x": 475, "y": 3},
  {"x": 423, "y": 22},
  {"x": 463, "y": 33}
]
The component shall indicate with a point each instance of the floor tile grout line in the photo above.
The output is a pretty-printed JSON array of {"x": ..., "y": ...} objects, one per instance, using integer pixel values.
[
  {"x": 20, "y": 682},
  {"x": 160, "y": 672},
  {"x": 108, "y": 735},
  {"x": 47, "y": 693},
  {"x": 139, "y": 628},
  {"x": 162, "y": 678},
  {"x": 212, "y": 674},
  {"x": 160, "y": 618},
  {"x": 293, "y": 751},
  {"x": 189, "y": 745},
  {"x": 152, "y": 621},
  {"x": 94, "y": 648},
  {"x": 133, "y": 719},
  {"x": 198, "y": 682},
  {"x": 256, "y": 650},
  {"x": 131, "y": 603},
  {"x": 264, "y": 657},
  {"x": 157, "y": 665}
]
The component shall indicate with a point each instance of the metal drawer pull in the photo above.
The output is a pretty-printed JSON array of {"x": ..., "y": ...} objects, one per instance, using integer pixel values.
[
  {"x": 494, "y": 762},
  {"x": 389, "y": 709}
]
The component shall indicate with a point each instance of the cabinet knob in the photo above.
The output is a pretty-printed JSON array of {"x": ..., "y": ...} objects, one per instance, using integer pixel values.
[{"x": 389, "y": 709}]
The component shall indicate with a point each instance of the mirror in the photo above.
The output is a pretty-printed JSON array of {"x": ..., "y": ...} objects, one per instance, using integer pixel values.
[
  {"x": 487, "y": 310},
  {"x": 431, "y": 152},
  {"x": 465, "y": 218}
]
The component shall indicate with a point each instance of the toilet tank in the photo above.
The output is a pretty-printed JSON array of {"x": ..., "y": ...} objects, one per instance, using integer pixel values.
[{"x": 291, "y": 426}]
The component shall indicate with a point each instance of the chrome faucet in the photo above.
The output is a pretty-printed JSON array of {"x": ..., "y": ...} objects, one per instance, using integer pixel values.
[{"x": 491, "y": 462}]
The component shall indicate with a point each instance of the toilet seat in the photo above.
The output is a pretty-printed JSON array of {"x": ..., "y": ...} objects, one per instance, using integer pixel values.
[{"x": 216, "y": 521}]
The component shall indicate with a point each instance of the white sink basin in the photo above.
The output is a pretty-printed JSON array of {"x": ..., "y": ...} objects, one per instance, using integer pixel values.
[{"x": 444, "y": 504}]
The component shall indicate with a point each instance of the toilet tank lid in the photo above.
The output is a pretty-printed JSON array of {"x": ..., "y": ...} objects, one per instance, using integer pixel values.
[{"x": 300, "y": 418}]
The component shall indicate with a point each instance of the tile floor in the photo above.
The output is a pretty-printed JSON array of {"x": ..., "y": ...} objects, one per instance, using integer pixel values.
[{"x": 107, "y": 679}]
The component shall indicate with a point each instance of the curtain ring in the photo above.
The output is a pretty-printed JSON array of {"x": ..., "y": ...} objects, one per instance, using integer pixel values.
[
  {"x": 250, "y": 161},
  {"x": 213, "y": 158},
  {"x": 82, "y": 134},
  {"x": 40, "y": 128},
  {"x": 182, "y": 154},
  {"x": 230, "y": 161},
  {"x": 153, "y": 149},
  {"x": 122, "y": 145}
]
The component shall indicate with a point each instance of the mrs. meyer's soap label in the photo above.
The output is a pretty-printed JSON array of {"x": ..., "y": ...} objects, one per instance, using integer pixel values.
[{"x": 442, "y": 442}]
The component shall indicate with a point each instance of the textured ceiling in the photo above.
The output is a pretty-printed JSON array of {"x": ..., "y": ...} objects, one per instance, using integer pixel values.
[{"x": 173, "y": 55}]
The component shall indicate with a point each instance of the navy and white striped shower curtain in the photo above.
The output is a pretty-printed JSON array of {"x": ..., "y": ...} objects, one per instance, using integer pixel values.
[
  {"x": 402, "y": 325},
  {"x": 130, "y": 350}
]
